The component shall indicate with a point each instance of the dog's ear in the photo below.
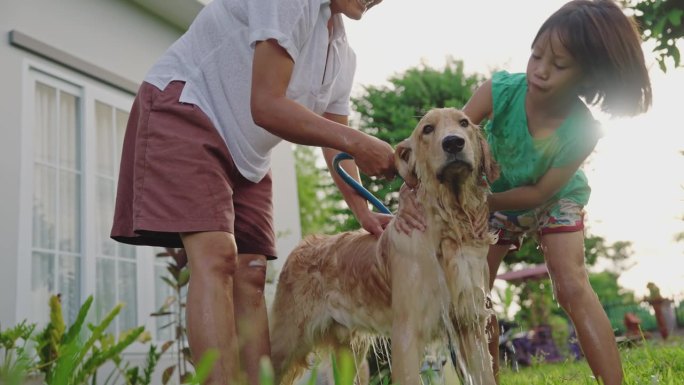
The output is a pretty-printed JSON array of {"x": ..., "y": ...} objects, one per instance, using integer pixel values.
[
  {"x": 488, "y": 166},
  {"x": 405, "y": 163}
]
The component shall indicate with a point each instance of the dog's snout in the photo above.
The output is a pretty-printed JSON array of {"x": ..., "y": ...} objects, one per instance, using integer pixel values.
[{"x": 453, "y": 144}]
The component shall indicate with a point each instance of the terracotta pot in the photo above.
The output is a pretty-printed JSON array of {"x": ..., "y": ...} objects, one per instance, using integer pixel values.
[{"x": 662, "y": 308}]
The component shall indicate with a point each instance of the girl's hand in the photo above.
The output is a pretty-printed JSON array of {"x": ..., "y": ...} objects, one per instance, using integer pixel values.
[
  {"x": 374, "y": 222},
  {"x": 411, "y": 215}
]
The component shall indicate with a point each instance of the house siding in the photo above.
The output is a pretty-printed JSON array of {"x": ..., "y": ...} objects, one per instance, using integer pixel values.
[{"x": 117, "y": 36}]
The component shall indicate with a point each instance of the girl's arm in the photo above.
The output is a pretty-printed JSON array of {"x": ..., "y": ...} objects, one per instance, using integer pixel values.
[
  {"x": 272, "y": 110},
  {"x": 480, "y": 104},
  {"x": 528, "y": 197},
  {"x": 372, "y": 221}
]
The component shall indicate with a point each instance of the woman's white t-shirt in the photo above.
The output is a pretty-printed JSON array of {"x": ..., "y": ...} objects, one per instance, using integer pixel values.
[{"x": 214, "y": 59}]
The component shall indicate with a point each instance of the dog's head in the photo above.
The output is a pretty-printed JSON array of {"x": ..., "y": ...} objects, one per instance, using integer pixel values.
[{"x": 447, "y": 148}]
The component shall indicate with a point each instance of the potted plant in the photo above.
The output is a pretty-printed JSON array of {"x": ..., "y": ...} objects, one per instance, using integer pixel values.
[{"x": 662, "y": 308}]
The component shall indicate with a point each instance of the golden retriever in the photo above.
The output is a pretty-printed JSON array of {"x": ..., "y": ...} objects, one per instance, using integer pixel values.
[{"x": 335, "y": 291}]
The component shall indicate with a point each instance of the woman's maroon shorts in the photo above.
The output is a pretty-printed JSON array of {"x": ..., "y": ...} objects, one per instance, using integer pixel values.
[{"x": 177, "y": 176}]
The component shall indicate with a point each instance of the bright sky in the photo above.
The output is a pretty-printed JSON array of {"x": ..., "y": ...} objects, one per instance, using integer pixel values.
[{"x": 636, "y": 172}]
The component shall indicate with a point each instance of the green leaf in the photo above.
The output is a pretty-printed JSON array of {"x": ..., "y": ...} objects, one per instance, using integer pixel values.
[
  {"x": 675, "y": 17},
  {"x": 166, "y": 375},
  {"x": 169, "y": 282},
  {"x": 675, "y": 56},
  {"x": 343, "y": 367},
  {"x": 96, "y": 360},
  {"x": 204, "y": 367},
  {"x": 183, "y": 277},
  {"x": 161, "y": 313},
  {"x": 75, "y": 328},
  {"x": 266, "y": 376}
]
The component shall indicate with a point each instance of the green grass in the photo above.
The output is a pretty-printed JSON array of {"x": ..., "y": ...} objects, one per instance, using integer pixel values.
[{"x": 650, "y": 363}]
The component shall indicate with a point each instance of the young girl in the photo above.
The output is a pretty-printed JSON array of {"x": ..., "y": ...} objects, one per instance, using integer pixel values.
[{"x": 540, "y": 132}]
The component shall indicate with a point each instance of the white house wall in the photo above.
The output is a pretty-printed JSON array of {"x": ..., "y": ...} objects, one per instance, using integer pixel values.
[{"x": 118, "y": 37}]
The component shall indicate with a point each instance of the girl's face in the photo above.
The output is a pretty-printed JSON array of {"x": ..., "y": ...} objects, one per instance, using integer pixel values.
[
  {"x": 552, "y": 72},
  {"x": 353, "y": 9}
]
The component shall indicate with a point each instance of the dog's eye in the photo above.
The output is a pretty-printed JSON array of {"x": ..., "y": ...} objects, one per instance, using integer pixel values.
[
  {"x": 428, "y": 128},
  {"x": 464, "y": 122}
]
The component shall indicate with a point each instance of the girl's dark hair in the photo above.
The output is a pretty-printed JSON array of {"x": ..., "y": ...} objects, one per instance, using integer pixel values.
[{"x": 607, "y": 46}]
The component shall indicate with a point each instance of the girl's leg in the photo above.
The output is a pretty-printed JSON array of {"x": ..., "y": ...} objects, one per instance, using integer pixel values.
[
  {"x": 210, "y": 312},
  {"x": 495, "y": 255},
  {"x": 250, "y": 313},
  {"x": 564, "y": 254}
]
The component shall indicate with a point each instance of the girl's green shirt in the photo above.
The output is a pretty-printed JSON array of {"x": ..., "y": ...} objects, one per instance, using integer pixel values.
[{"x": 524, "y": 159}]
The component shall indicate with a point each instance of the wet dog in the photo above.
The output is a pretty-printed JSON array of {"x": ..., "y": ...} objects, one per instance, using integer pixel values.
[{"x": 335, "y": 291}]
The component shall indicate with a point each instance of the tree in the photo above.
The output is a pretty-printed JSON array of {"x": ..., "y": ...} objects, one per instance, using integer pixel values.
[
  {"x": 595, "y": 247},
  {"x": 314, "y": 185},
  {"x": 662, "y": 22}
]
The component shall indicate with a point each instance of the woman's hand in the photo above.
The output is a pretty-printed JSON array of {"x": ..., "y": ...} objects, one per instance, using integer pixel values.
[
  {"x": 374, "y": 222},
  {"x": 411, "y": 215}
]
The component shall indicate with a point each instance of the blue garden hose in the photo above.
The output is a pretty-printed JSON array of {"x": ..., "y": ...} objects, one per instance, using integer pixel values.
[{"x": 356, "y": 185}]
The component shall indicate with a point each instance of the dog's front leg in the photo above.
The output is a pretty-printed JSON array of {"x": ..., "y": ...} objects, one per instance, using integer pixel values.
[
  {"x": 407, "y": 341},
  {"x": 416, "y": 309},
  {"x": 468, "y": 276}
]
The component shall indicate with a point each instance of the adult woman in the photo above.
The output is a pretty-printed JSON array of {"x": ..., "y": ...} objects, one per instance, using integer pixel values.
[{"x": 195, "y": 169}]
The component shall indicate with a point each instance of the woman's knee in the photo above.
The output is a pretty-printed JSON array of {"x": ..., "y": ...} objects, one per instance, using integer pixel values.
[
  {"x": 252, "y": 270},
  {"x": 212, "y": 255}
]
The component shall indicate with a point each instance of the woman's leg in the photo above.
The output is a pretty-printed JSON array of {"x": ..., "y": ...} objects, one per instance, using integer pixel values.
[
  {"x": 564, "y": 254},
  {"x": 250, "y": 313},
  {"x": 209, "y": 310},
  {"x": 495, "y": 255}
]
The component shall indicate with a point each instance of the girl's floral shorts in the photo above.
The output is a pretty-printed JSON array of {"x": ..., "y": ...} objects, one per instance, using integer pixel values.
[{"x": 561, "y": 216}]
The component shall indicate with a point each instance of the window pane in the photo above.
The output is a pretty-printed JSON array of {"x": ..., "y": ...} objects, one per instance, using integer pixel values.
[
  {"x": 161, "y": 292},
  {"x": 104, "y": 215},
  {"x": 70, "y": 286},
  {"x": 69, "y": 140},
  {"x": 105, "y": 139},
  {"x": 127, "y": 251},
  {"x": 127, "y": 294},
  {"x": 45, "y": 130},
  {"x": 70, "y": 212},
  {"x": 121, "y": 122},
  {"x": 44, "y": 208},
  {"x": 105, "y": 296},
  {"x": 42, "y": 286}
]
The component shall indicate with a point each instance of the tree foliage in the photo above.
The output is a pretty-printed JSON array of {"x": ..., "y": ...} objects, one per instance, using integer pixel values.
[
  {"x": 595, "y": 247},
  {"x": 661, "y": 21},
  {"x": 314, "y": 186}
]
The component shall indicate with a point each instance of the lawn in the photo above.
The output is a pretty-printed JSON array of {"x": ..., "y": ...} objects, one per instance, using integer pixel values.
[{"x": 650, "y": 363}]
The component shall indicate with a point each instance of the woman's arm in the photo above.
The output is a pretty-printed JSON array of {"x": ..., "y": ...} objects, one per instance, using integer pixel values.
[
  {"x": 272, "y": 110},
  {"x": 372, "y": 221}
]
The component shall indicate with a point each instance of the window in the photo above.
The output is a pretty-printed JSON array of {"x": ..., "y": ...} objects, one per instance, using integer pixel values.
[
  {"x": 116, "y": 268},
  {"x": 77, "y": 135},
  {"x": 57, "y": 191}
]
